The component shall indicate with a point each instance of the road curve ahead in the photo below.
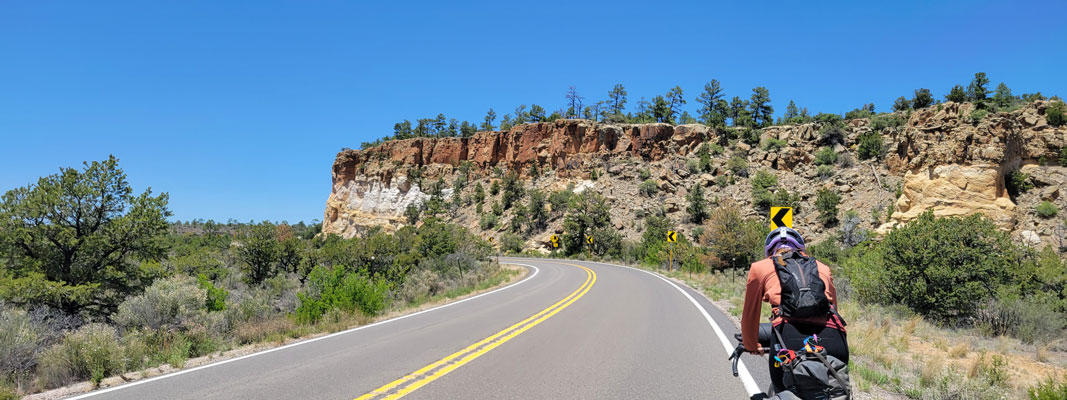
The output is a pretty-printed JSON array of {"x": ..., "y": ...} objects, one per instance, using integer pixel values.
[{"x": 570, "y": 330}]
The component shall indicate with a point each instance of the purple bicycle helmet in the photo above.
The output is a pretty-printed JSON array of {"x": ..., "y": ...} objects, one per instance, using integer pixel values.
[{"x": 782, "y": 237}]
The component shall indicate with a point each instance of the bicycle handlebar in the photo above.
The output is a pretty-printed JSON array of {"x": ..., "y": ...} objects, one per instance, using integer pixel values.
[{"x": 736, "y": 356}]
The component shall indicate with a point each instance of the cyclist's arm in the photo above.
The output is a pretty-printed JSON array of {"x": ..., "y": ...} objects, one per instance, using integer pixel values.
[
  {"x": 750, "y": 313},
  {"x": 831, "y": 290}
]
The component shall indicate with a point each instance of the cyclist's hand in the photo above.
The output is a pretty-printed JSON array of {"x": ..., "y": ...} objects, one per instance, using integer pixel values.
[{"x": 757, "y": 351}]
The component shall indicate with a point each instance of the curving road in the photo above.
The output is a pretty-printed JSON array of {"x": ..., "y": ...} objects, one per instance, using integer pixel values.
[{"x": 569, "y": 330}]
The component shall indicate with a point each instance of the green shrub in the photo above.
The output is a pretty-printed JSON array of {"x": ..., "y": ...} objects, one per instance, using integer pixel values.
[
  {"x": 762, "y": 184},
  {"x": 1056, "y": 113},
  {"x": 825, "y": 156},
  {"x": 169, "y": 304},
  {"x": 511, "y": 243},
  {"x": 833, "y": 133},
  {"x": 889, "y": 120},
  {"x": 850, "y": 233},
  {"x": 738, "y": 165},
  {"x": 1018, "y": 183},
  {"x": 1047, "y": 210},
  {"x": 870, "y": 146},
  {"x": 693, "y": 165},
  {"x": 1050, "y": 389},
  {"x": 92, "y": 352},
  {"x": 698, "y": 207},
  {"x": 977, "y": 115},
  {"x": 19, "y": 341},
  {"x": 824, "y": 171},
  {"x": 1028, "y": 320},
  {"x": 722, "y": 181},
  {"x": 826, "y": 203},
  {"x": 494, "y": 188},
  {"x": 772, "y": 144},
  {"x": 704, "y": 153},
  {"x": 487, "y": 221},
  {"x": 335, "y": 288},
  {"x": 216, "y": 296},
  {"x": 1063, "y": 156},
  {"x": 648, "y": 188},
  {"x": 943, "y": 268},
  {"x": 644, "y": 174}
]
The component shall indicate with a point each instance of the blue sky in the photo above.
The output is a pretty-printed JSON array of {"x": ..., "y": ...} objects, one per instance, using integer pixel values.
[{"x": 238, "y": 108}]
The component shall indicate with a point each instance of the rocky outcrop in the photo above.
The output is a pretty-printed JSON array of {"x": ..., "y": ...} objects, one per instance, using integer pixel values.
[
  {"x": 954, "y": 190},
  {"x": 946, "y": 158}
]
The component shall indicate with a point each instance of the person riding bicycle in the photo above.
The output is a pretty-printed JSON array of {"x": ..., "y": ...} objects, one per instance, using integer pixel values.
[{"x": 783, "y": 248}]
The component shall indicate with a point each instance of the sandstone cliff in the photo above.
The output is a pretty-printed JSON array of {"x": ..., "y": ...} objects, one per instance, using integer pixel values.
[{"x": 939, "y": 159}]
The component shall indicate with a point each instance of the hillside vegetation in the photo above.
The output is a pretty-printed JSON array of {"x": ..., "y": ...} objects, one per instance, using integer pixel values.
[
  {"x": 94, "y": 282},
  {"x": 939, "y": 218}
]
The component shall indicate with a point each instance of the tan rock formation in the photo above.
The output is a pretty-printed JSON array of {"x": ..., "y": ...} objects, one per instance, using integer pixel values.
[{"x": 954, "y": 190}]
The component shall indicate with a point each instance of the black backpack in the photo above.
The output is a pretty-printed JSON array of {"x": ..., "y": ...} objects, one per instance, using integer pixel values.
[{"x": 803, "y": 291}]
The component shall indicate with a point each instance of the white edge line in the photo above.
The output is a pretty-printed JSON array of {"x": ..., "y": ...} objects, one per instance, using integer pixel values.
[
  {"x": 271, "y": 350},
  {"x": 746, "y": 378}
]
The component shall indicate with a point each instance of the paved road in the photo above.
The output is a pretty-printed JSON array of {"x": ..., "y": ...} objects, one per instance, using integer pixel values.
[{"x": 570, "y": 330}]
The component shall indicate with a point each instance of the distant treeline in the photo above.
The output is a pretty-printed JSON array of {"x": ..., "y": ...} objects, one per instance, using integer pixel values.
[{"x": 714, "y": 109}]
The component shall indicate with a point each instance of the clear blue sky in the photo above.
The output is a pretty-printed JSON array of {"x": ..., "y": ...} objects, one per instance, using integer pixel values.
[{"x": 237, "y": 108}]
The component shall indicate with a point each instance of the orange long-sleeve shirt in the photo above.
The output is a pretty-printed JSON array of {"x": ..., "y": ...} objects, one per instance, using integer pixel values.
[{"x": 763, "y": 286}]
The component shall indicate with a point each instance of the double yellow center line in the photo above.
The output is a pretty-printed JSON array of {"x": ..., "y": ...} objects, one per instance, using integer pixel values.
[{"x": 423, "y": 376}]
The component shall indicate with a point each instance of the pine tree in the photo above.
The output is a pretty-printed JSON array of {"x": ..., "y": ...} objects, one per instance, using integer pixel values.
[
  {"x": 791, "y": 112},
  {"x": 1002, "y": 96},
  {"x": 957, "y": 94},
  {"x": 675, "y": 101},
  {"x": 575, "y": 101},
  {"x": 713, "y": 108},
  {"x": 490, "y": 116},
  {"x": 976, "y": 91},
  {"x": 902, "y": 104},
  {"x": 537, "y": 113},
  {"x": 760, "y": 108},
  {"x": 922, "y": 98},
  {"x": 617, "y": 99},
  {"x": 698, "y": 207},
  {"x": 738, "y": 111}
]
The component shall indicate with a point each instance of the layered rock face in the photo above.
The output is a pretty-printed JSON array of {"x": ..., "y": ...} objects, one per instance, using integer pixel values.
[{"x": 940, "y": 159}]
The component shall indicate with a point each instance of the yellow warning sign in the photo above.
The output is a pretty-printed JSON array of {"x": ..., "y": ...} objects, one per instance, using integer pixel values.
[{"x": 781, "y": 216}]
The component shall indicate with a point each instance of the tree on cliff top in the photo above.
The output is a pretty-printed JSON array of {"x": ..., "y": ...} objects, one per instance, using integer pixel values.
[
  {"x": 490, "y": 116},
  {"x": 575, "y": 101},
  {"x": 675, "y": 101},
  {"x": 617, "y": 99},
  {"x": 957, "y": 94},
  {"x": 922, "y": 98},
  {"x": 760, "y": 108},
  {"x": 713, "y": 109},
  {"x": 72, "y": 240},
  {"x": 977, "y": 91}
]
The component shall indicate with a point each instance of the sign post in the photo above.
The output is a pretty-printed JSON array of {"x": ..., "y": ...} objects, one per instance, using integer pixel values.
[
  {"x": 589, "y": 250},
  {"x": 672, "y": 237},
  {"x": 555, "y": 243}
]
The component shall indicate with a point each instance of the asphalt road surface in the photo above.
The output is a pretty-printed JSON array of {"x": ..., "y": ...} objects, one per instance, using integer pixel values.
[{"x": 569, "y": 330}]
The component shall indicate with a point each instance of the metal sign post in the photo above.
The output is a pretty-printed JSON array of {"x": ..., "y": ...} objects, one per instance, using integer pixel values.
[{"x": 672, "y": 237}]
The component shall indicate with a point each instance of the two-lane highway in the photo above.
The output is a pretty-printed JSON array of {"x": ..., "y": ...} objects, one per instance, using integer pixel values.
[{"x": 568, "y": 330}]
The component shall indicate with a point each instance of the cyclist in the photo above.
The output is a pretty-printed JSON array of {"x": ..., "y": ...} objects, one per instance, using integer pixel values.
[{"x": 784, "y": 248}]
